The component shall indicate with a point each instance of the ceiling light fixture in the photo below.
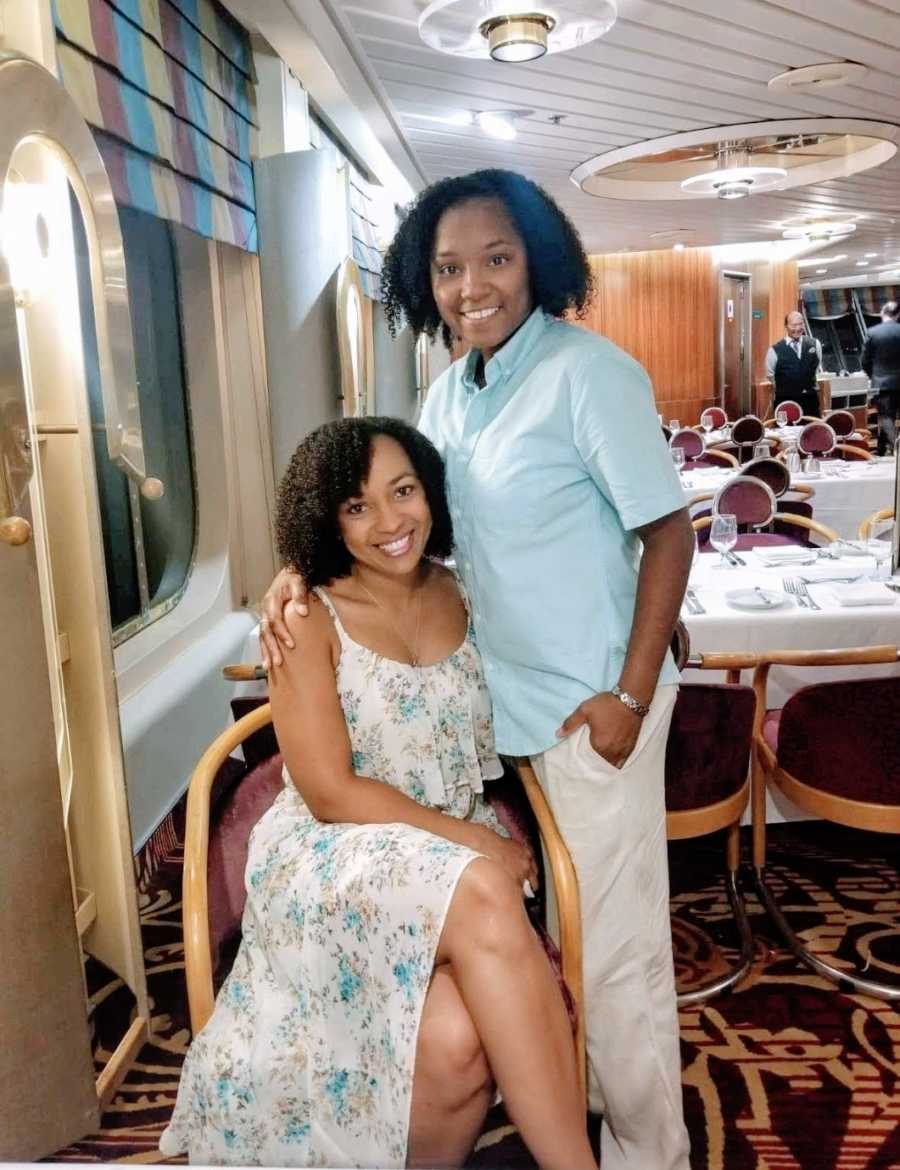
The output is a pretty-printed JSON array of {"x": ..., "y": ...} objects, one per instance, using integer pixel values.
[
  {"x": 733, "y": 177},
  {"x": 811, "y": 78},
  {"x": 870, "y": 255},
  {"x": 513, "y": 30},
  {"x": 862, "y": 263},
  {"x": 678, "y": 247},
  {"x": 822, "y": 260},
  {"x": 819, "y": 271},
  {"x": 517, "y": 38},
  {"x": 821, "y": 231},
  {"x": 496, "y": 125}
]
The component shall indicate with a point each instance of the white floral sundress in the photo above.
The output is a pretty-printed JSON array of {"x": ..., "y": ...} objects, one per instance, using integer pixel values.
[{"x": 308, "y": 1057}]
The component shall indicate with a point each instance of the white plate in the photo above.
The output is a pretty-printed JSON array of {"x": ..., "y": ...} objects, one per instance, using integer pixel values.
[{"x": 755, "y": 599}]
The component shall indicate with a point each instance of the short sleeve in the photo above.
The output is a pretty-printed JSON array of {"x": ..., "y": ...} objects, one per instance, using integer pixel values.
[{"x": 618, "y": 436}]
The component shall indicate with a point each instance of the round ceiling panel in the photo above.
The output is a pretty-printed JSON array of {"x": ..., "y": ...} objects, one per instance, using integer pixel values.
[{"x": 517, "y": 31}]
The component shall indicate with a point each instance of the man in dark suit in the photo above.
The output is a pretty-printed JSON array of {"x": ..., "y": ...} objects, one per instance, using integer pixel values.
[
  {"x": 881, "y": 361},
  {"x": 792, "y": 365}
]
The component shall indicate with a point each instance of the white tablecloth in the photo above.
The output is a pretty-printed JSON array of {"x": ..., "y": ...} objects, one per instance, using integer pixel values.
[
  {"x": 841, "y": 500},
  {"x": 788, "y": 627}
]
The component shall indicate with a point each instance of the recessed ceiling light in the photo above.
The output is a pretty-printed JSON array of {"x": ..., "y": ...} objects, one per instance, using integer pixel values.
[
  {"x": 819, "y": 271},
  {"x": 870, "y": 255},
  {"x": 825, "y": 75},
  {"x": 822, "y": 260},
  {"x": 820, "y": 230},
  {"x": 678, "y": 247},
  {"x": 496, "y": 125},
  {"x": 862, "y": 263}
]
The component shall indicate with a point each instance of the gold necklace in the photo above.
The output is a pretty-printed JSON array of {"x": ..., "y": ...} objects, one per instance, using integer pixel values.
[{"x": 412, "y": 649}]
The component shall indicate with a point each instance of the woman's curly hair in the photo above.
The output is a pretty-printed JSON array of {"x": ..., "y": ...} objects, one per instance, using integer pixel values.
[
  {"x": 330, "y": 466},
  {"x": 557, "y": 265}
]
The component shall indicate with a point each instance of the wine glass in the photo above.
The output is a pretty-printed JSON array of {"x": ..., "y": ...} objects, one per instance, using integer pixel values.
[
  {"x": 880, "y": 545},
  {"x": 706, "y": 423},
  {"x": 781, "y": 418},
  {"x": 674, "y": 425},
  {"x": 678, "y": 457},
  {"x": 723, "y": 536},
  {"x": 761, "y": 449}
]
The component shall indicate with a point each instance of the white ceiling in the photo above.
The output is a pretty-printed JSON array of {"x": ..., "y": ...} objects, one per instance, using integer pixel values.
[{"x": 665, "y": 66}]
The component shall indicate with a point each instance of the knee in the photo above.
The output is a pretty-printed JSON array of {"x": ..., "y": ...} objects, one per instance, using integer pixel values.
[
  {"x": 450, "y": 1058},
  {"x": 493, "y": 906}
]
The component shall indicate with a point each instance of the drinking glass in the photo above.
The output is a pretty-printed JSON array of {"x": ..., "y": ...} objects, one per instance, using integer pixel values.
[
  {"x": 793, "y": 461},
  {"x": 879, "y": 546},
  {"x": 723, "y": 536},
  {"x": 706, "y": 423},
  {"x": 781, "y": 419},
  {"x": 674, "y": 425},
  {"x": 678, "y": 457},
  {"x": 761, "y": 450},
  {"x": 811, "y": 465}
]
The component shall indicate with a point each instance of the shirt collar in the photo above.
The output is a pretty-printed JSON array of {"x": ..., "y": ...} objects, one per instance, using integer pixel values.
[{"x": 504, "y": 362}]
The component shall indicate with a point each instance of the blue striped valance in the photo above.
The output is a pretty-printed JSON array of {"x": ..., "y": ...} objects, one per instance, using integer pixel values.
[{"x": 168, "y": 87}]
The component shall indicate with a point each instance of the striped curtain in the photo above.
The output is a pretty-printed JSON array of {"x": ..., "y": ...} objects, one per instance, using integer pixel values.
[
  {"x": 824, "y": 304},
  {"x": 362, "y": 233},
  {"x": 872, "y": 298},
  {"x": 168, "y": 88}
]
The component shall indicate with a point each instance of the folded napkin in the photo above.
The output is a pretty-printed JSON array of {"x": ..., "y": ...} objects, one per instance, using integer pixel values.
[
  {"x": 783, "y": 554},
  {"x": 834, "y": 570},
  {"x": 863, "y": 593}
]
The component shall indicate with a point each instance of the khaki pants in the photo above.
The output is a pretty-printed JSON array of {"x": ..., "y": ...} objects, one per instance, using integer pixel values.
[{"x": 614, "y": 823}]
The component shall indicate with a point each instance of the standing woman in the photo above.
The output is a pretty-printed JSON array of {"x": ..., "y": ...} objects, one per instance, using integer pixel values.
[{"x": 574, "y": 545}]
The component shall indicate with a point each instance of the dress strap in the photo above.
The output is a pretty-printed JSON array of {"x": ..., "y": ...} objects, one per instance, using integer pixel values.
[{"x": 332, "y": 609}]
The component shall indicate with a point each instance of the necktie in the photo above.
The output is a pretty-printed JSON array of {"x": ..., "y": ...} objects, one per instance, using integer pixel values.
[{"x": 797, "y": 347}]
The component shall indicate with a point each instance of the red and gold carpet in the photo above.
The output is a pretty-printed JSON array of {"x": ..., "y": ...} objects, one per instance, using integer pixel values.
[{"x": 785, "y": 1074}]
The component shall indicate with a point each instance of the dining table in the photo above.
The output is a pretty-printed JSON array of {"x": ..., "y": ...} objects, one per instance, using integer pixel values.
[{"x": 844, "y": 492}]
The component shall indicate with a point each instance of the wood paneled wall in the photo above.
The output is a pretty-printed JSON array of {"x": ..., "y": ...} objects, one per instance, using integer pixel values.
[
  {"x": 660, "y": 308},
  {"x": 663, "y": 308}
]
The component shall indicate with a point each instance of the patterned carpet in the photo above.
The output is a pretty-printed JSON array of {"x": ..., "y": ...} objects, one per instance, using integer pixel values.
[{"x": 785, "y": 1074}]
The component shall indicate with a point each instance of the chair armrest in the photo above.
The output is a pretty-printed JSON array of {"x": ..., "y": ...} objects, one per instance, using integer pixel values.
[
  {"x": 195, "y": 909},
  {"x": 810, "y": 525},
  {"x": 565, "y": 882},
  {"x": 865, "y": 526},
  {"x": 854, "y": 452},
  {"x": 723, "y": 456}
]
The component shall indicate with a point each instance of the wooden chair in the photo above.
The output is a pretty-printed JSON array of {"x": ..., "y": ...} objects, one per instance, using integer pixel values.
[
  {"x": 708, "y": 785},
  {"x": 848, "y": 777},
  {"x": 226, "y": 798},
  {"x": 753, "y": 503},
  {"x": 866, "y": 525}
]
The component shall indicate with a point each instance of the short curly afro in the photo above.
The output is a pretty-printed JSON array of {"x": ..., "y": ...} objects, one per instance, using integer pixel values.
[
  {"x": 330, "y": 466},
  {"x": 557, "y": 265}
]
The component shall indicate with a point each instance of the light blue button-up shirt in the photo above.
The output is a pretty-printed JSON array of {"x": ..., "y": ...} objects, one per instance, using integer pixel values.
[{"x": 550, "y": 468}]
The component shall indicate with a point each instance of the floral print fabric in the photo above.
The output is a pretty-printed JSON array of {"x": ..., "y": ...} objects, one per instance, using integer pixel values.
[{"x": 308, "y": 1057}]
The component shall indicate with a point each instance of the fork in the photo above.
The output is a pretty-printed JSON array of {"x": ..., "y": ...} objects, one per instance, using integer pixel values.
[
  {"x": 790, "y": 586},
  {"x": 803, "y": 591},
  {"x": 691, "y": 595}
]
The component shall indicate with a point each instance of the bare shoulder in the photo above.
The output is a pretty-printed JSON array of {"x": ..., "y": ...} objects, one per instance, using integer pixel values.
[{"x": 315, "y": 632}]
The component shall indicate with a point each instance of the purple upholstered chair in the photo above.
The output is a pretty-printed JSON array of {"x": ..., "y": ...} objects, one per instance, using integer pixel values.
[
  {"x": 791, "y": 409},
  {"x": 841, "y": 422},
  {"x": 753, "y": 503},
  {"x": 690, "y": 442},
  {"x": 745, "y": 432},
  {"x": 715, "y": 416},
  {"x": 817, "y": 438},
  {"x": 227, "y": 797},
  {"x": 707, "y": 789},
  {"x": 834, "y": 751}
]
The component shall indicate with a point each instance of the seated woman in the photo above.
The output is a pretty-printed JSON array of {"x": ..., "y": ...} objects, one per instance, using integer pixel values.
[{"x": 388, "y": 974}]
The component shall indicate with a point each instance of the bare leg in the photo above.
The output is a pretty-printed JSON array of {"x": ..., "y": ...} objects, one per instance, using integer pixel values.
[
  {"x": 452, "y": 1085},
  {"x": 511, "y": 994}
]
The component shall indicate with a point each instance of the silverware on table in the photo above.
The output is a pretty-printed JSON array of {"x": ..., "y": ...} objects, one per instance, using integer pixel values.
[
  {"x": 693, "y": 599},
  {"x": 790, "y": 586},
  {"x": 766, "y": 600},
  {"x": 735, "y": 559}
]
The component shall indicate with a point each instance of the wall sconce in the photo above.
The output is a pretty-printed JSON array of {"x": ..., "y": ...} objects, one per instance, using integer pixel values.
[{"x": 25, "y": 238}]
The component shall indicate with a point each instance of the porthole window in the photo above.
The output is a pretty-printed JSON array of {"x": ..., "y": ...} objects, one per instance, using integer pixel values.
[{"x": 148, "y": 545}]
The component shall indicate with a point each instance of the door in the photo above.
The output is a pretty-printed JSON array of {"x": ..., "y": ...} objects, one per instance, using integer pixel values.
[
  {"x": 47, "y": 1091},
  {"x": 735, "y": 386}
]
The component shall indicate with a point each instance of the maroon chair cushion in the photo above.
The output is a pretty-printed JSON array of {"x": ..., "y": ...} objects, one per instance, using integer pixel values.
[
  {"x": 716, "y": 416},
  {"x": 817, "y": 438},
  {"x": 772, "y": 472},
  {"x": 841, "y": 422},
  {"x": 748, "y": 429},
  {"x": 791, "y": 409},
  {"x": 689, "y": 441},
  {"x": 844, "y": 738},
  {"x": 708, "y": 750},
  {"x": 746, "y": 498},
  {"x": 229, "y": 833}
]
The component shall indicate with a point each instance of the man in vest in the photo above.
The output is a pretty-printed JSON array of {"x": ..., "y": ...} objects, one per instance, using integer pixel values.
[
  {"x": 792, "y": 365},
  {"x": 881, "y": 361}
]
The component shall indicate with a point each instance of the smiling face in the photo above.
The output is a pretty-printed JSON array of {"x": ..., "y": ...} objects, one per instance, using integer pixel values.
[
  {"x": 386, "y": 527},
  {"x": 479, "y": 274},
  {"x": 795, "y": 326}
]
